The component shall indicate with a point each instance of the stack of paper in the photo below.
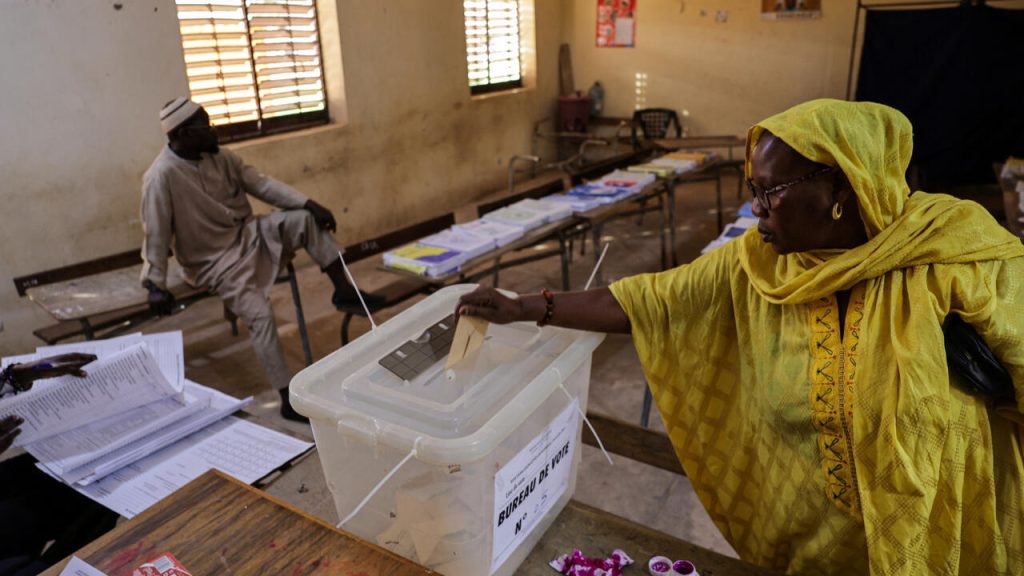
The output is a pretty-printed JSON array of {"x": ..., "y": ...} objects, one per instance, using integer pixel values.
[
  {"x": 552, "y": 211},
  {"x": 578, "y": 202},
  {"x": 81, "y": 429},
  {"x": 679, "y": 166},
  {"x": 514, "y": 215},
  {"x": 600, "y": 193},
  {"x": 502, "y": 234},
  {"x": 694, "y": 156},
  {"x": 469, "y": 243},
  {"x": 731, "y": 232},
  {"x": 105, "y": 434},
  {"x": 424, "y": 260},
  {"x": 659, "y": 170},
  {"x": 632, "y": 181}
]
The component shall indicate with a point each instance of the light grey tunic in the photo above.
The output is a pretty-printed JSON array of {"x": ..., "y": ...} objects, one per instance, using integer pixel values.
[{"x": 202, "y": 206}]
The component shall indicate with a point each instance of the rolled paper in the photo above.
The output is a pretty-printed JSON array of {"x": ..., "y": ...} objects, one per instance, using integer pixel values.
[
  {"x": 684, "y": 568},
  {"x": 659, "y": 566}
]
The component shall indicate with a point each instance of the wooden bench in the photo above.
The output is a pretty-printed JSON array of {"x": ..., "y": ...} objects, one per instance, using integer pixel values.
[
  {"x": 401, "y": 288},
  {"x": 115, "y": 300}
]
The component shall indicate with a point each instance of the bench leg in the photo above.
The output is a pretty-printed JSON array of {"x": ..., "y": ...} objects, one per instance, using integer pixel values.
[
  {"x": 344, "y": 327},
  {"x": 718, "y": 200},
  {"x": 300, "y": 318},
  {"x": 497, "y": 268}
]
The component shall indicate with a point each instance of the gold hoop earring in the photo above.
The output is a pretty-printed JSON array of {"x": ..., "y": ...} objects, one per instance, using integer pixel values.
[{"x": 837, "y": 211}]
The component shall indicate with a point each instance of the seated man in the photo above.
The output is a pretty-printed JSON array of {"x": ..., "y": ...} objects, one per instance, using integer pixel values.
[{"x": 194, "y": 193}]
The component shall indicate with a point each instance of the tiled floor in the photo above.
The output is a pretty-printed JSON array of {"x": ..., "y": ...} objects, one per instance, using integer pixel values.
[{"x": 644, "y": 494}]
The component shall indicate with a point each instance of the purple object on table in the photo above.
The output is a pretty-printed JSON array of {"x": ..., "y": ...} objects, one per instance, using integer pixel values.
[
  {"x": 576, "y": 564},
  {"x": 684, "y": 567}
]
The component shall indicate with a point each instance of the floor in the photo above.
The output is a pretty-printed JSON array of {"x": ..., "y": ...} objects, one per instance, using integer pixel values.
[{"x": 647, "y": 495}]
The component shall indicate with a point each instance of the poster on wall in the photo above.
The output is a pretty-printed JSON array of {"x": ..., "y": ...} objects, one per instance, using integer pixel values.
[
  {"x": 783, "y": 9},
  {"x": 616, "y": 23}
]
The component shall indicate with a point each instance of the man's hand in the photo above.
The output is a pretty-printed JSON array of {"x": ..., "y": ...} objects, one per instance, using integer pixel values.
[
  {"x": 491, "y": 305},
  {"x": 322, "y": 216},
  {"x": 10, "y": 427},
  {"x": 25, "y": 374},
  {"x": 161, "y": 302}
]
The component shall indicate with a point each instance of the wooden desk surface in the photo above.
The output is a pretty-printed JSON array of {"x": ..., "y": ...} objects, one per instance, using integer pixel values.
[
  {"x": 217, "y": 525},
  {"x": 99, "y": 293}
]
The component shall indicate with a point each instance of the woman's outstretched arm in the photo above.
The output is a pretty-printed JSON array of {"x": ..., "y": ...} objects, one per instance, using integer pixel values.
[{"x": 594, "y": 310}]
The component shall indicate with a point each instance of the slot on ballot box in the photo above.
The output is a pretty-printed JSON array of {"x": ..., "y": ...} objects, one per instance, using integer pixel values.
[{"x": 483, "y": 457}]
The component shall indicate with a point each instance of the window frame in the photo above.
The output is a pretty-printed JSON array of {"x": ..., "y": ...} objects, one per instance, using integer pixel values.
[
  {"x": 261, "y": 127},
  {"x": 506, "y": 85}
]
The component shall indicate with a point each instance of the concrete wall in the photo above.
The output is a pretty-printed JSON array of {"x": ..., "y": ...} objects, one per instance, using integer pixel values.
[
  {"x": 80, "y": 128},
  {"x": 727, "y": 74}
]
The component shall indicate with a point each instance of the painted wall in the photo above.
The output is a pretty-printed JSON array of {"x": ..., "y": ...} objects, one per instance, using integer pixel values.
[
  {"x": 80, "y": 129},
  {"x": 716, "y": 59}
]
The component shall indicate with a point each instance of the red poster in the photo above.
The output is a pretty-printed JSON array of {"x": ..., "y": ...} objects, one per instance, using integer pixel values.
[{"x": 616, "y": 23}]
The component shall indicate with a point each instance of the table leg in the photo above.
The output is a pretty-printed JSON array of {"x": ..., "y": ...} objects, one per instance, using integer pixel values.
[
  {"x": 564, "y": 253},
  {"x": 672, "y": 221},
  {"x": 87, "y": 329},
  {"x": 664, "y": 221},
  {"x": 596, "y": 238},
  {"x": 718, "y": 199}
]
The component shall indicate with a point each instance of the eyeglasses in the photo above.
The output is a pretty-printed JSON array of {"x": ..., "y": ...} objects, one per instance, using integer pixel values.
[{"x": 764, "y": 195}]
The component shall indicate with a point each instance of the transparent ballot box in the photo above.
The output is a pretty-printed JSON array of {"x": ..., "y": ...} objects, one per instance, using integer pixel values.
[{"x": 482, "y": 456}]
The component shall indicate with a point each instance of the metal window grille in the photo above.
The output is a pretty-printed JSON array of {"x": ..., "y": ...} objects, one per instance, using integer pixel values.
[
  {"x": 254, "y": 64},
  {"x": 492, "y": 45}
]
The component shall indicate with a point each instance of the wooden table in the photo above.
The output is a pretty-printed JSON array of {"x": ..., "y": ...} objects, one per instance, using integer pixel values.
[{"x": 217, "y": 525}]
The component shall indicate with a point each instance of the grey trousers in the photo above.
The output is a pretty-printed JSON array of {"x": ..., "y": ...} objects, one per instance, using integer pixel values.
[{"x": 297, "y": 230}]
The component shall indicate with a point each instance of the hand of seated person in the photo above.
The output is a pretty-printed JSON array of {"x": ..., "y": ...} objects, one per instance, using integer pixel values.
[
  {"x": 161, "y": 302},
  {"x": 323, "y": 217},
  {"x": 10, "y": 427}
]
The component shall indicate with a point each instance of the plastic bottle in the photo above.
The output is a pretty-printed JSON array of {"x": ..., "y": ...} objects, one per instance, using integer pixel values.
[{"x": 596, "y": 94}]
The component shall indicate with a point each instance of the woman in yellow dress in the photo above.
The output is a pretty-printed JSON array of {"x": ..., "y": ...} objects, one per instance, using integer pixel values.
[{"x": 800, "y": 370}]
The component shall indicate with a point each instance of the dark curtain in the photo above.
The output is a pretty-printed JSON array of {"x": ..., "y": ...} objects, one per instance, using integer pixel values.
[{"x": 958, "y": 75}]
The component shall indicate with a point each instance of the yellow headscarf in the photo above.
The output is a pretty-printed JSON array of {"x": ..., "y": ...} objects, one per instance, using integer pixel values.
[{"x": 872, "y": 144}]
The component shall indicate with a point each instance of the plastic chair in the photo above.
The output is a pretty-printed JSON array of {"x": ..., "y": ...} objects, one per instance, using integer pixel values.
[{"x": 655, "y": 123}]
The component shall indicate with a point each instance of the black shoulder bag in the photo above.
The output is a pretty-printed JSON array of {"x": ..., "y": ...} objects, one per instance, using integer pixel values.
[{"x": 972, "y": 360}]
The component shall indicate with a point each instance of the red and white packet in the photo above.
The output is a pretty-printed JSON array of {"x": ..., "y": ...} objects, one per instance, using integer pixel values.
[{"x": 163, "y": 565}]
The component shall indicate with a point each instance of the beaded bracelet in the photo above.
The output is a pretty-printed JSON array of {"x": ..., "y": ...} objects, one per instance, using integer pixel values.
[{"x": 549, "y": 309}]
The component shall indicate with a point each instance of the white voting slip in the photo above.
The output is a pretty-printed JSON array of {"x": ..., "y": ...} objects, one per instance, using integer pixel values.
[
  {"x": 513, "y": 215},
  {"x": 553, "y": 211}
]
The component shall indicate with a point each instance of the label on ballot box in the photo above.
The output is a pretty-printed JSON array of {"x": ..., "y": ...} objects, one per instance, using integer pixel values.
[{"x": 532, "y": 481}]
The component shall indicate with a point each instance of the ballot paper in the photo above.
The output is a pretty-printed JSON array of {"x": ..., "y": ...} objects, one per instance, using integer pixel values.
[
  {"x": 241, "y": 449},
  {"x": 470, "y": 334},
  {"x": 576, "y": 202},
  {"x": 166, "y": 347},
  {"x": 113, "y": 385}
]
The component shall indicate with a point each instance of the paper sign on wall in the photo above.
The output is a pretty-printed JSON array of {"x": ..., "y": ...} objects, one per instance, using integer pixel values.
[{"x": 531, "y": 483}]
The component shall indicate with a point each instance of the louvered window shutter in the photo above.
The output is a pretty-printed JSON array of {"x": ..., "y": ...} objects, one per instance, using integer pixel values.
[
  {"x": 254, "y": 64},
  {"x": 492, "y": 45}
]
